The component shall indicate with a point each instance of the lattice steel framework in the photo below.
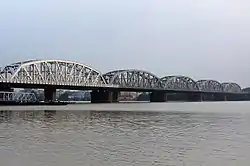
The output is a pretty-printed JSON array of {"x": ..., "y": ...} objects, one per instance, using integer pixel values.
[
  {"x": 52, "y": 72},
  {"x": 179, "y": 83},
  {"x": 18, "y": 97},
  {"x": 209, "y": 86},
  {"x": 133, "y": 78},
  {"x": 59, "y": 72},
  {"x": 246, "y": 90},
  {"x": 231, "y": 87},
  {"x": 1, "y": 76}
]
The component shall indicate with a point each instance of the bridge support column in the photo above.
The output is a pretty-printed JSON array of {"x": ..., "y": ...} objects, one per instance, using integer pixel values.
[
  {"x": 219, "y": 97},
  {"x": 225, "y": 97},
  {"x": 195, "y": 97},
  {"x": 115, "y": 96},
  {"x": 212, "y": 97},
  {"x": 104, "y": 96},
  {"x": 50, "y": 94},
  {"x": 158, "y": 96},
  {"x": 201, "y": 97},
  {"x": 5, "y": 88},
  {"x": 246, "y": 97}
]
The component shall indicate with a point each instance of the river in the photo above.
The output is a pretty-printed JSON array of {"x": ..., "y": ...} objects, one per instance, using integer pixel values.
[{"x": 122, "y": 134}]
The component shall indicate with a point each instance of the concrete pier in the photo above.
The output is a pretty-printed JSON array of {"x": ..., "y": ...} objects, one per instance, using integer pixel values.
[
  {"x": 49, "y": 94},
  {"x": 6, "y": 88},
  {"x": 104, "y": 96},
  {"x": 158, "y": 96}
]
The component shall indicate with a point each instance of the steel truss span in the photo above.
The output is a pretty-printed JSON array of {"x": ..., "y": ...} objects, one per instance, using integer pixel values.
[
  {"x": 133, "y": 78},
  {"x": 231, "y": 87},
  {"x": 68, "y": 73},
  {"x": 179, "y": 83},
  {"x": 209, "y": 86},
  {"x": 1, "y": 76},
  {"x": 246, "y": 89},
  {"x": 18, "y": 97},
  {"x": 52, "y": 72}
]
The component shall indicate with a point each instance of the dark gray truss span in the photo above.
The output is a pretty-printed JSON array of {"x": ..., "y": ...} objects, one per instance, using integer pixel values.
[
  {"x": 179, "y": 83},
  {"x": 133, "y": 78},
  {"x": 231, "y": 87},
  {"x": 246, "y": 90},
  {"x": 209, "y": 86}
]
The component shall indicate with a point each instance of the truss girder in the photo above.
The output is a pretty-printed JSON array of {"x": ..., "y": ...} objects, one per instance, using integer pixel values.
[
  {"x": 18, "y": 97},
  {"x": 1, "y": 76},
  {"x": 179, "y": 83},
  {"x": 246, "y": 90},
  {"x": 231, "y": 87},
  {"x": 108, "y": 76},
  {"x": 52, "y": 72},
  {"x": 59, "y": 72},
  {"x": 209, "y": 86},
  {"x": 133, "y": 78}
]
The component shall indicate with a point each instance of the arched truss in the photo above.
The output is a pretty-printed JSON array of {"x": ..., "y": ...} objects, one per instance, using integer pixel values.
[
  {"x": 231, "y": 87},
  {"x": 18, "y": 97},
  {"x": 179, "y": 83},
  {"x": 246, "y": 90},
  {"x": 52, "y": 72},
  {"x": 209, "y": 86},
  {"x": 1, "y": 77},
  {"x": 133, "y": 78}
]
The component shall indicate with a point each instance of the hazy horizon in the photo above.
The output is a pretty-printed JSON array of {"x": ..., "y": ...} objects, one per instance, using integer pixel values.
[{"x": 202, "y": 40}]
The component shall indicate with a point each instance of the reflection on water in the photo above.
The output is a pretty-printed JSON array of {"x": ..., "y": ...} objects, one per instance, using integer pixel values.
[{"x": 72, "y": 138}]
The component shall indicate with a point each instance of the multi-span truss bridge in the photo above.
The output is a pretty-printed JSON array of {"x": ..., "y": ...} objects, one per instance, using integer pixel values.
[
  {"x": 66, "y": 73},
  {"x": 60, "y": 74}
]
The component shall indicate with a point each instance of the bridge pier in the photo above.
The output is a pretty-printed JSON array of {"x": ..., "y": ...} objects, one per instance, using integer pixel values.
[
  {"x": 195, "y": 97},
  {"x": 225, "y": 97},
  {"x": 207, "y": 97},
  {"x": 219, "y": 97},
  {"x": 50, "y": 94},
  {"x": 158, "y": 96},
  {"x": 201, "y": 97},
  {"x": 245, "y": 97},
  {"x": 6, "y": 88},
  {"x": 104, "y": 96},
  {"x": 115, "y": 96}
]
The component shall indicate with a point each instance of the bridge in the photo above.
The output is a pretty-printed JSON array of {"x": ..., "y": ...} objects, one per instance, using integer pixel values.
[
  {"x": 17, "y": 97},
  {"x": 60, "y": 74}
]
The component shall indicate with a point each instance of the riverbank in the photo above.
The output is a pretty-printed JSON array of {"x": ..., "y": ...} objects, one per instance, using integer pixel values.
[{"x": 13, "y": 103}]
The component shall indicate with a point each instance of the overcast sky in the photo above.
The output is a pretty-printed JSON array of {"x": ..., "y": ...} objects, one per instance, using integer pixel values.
[{"x": 203, "y": 39}]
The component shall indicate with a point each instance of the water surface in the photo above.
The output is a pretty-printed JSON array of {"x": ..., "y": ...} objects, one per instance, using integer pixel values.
[{"x": 143, "y": 134}]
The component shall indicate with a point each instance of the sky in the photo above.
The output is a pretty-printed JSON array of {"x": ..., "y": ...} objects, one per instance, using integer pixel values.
[{"x": 197, "y": 38}]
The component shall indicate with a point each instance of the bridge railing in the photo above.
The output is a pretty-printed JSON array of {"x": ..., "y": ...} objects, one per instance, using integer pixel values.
[
  {"x": 4, "y": 80},
  {"x": 178, "y": 90}
]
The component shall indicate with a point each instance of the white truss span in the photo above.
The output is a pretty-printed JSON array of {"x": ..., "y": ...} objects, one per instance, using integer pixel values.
[
  {"x": 52, "y": 72},
  {"x": 18, "y": 97}
]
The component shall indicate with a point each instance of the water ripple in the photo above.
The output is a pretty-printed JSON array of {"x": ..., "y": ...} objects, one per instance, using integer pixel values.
[{"x": 119, "y": 138}]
